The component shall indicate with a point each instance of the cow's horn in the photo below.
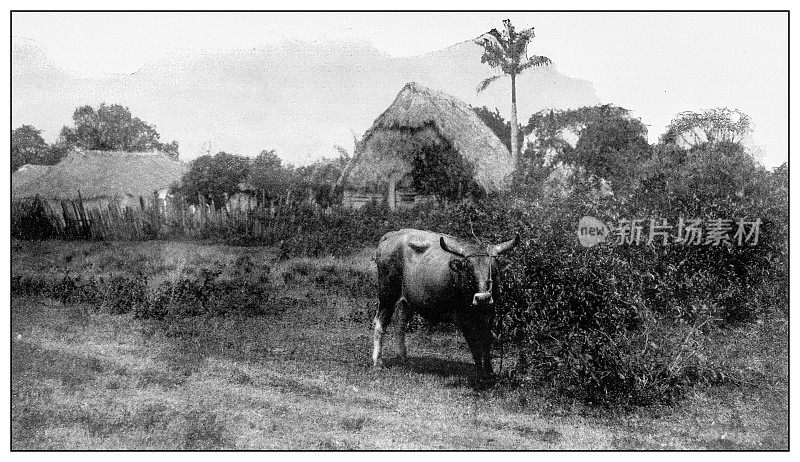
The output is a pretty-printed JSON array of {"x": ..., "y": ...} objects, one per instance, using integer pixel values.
[
  {"x": 448, "y": 249},
  {"x": 507, "y": 245}
]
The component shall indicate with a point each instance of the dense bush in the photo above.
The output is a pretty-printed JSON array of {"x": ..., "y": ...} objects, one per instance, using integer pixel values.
[
  {"x": 31, "y": 220},
  {"x": 204, "y": 294},
  {"x": 116, "y": 294},
  {"x": 630, "y": 324}
]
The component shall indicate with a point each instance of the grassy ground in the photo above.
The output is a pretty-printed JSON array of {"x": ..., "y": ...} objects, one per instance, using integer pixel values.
[{"x": 300, "y": 377}]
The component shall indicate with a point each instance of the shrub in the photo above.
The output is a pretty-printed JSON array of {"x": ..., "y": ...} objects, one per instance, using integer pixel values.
[
  {"x": 629, "y": 324},
  {"x": 31, "y": 220},
  {"x": 204, "y": 295},
  {"x": 119, "y": 294}
]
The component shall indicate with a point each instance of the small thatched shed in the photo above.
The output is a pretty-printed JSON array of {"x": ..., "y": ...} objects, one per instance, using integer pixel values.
[
  {"x": 101, "y": 177},
  {"x": 420, "y": 116}
]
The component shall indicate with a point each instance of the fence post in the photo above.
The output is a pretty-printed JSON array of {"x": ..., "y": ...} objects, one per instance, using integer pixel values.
[
  {"x": 156, "y": 214},
  {"x": 77, "y": 215},
  {"x": 86, "y": 226}
]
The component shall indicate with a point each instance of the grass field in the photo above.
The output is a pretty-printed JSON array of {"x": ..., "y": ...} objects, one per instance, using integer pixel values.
[{"x": 300, "y": 377}]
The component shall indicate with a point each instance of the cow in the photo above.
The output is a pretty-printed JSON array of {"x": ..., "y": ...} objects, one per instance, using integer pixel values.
[{"x": 436, "y": 276}]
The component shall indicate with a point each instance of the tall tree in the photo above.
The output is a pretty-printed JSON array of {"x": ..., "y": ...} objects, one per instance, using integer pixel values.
[
  {"x": 113, "y": 128},
  {"x": 508, "y": 50}
]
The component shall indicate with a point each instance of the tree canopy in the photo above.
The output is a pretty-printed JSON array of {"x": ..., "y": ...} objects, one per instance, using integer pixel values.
[
  {"x": 269, "y": 175},
  {"x": 701, "y": 178},
  {"x": 501, "y": 128},
  {"x": 709, "y": 127},
  {"x": 321, "y": 177},
  {"x": 610, "y": 143},
  {"x": 27, "y": 147},
  {"x": 212, "y": 177},
  {"x": 113, "y": 128}
]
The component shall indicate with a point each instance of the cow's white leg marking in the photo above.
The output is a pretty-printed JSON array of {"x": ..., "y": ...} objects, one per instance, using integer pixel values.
[
  {"x": 377, "y": 344},
  {"x": 402, "y": 323}
]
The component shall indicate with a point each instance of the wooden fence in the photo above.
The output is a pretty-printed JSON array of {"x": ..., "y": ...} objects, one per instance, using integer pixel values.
[{"x": 154, "y": 217}]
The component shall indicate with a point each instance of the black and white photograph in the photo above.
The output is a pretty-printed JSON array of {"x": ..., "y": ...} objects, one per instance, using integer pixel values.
[{"x": 417, "y": 230}]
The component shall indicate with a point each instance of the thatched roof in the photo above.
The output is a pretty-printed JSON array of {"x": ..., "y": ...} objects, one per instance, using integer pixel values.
[
  {"x": 27, "y": 174},
  {"x": 420, "y": 115},
  {"x": 103, "y": 174}
]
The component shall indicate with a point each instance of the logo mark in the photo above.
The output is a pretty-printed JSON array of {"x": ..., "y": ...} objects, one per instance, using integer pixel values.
[{"x": 591, "y": 231}]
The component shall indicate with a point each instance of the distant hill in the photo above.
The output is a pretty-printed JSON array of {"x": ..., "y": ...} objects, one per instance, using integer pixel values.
[{"x": 297, "y": 98}]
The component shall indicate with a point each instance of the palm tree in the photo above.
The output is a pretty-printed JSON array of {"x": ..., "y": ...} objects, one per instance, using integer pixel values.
[{"x": 508, "y": 51}]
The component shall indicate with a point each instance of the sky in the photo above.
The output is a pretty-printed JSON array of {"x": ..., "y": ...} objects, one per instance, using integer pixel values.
[{"x": 656, "y": 64}]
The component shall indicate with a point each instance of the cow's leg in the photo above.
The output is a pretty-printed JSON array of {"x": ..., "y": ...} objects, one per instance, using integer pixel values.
[
  {"x": 466, "y": 323},
  {"x": 475, "y": 327},
  {"x": 485, "y": 339},
  {"x": 389, "y": 294},
  {"x": 382, "y": 319},
  {"x": 403, "y": 317}
]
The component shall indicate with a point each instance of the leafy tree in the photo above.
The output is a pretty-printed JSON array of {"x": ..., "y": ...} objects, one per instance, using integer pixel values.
[
  {"x": 28, "y": 147},
  {"x": 547, "y": 128},
  {"x": 710, "y": 177},
  {"x": 55, "y": 152},
  {"x": 612, "y": 149},
  {"x": 536, "y": 162},
  {"x": 269, "y": 175},
  {"x": 499, "y": 126},
  {"x": 211, "y": 177},
  {"x": 320, "y": 178},
  {"x": 507, "y": 50},
  {"x": 780, "y": 177},
  {"x": 611, "y": 144},
  {"x": 113, "y": 128},
  {"x": 710, "y": 127}
]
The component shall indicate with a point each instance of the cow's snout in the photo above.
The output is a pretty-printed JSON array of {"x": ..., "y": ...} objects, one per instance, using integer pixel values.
[{"x": 482, "y": 298}]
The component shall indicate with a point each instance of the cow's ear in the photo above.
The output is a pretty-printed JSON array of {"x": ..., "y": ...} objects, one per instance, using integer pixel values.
[
  {"x": 457, "y": 265},
  {"x": 506, "y": 246}
]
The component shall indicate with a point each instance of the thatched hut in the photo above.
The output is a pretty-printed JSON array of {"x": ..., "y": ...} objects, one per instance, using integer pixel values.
[
  {"x": 421, "y": 117},
  {"x": 102, "y": 177}
]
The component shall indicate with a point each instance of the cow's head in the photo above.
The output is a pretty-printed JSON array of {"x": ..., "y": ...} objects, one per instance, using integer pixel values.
[{"x": 477, "y": 268}]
